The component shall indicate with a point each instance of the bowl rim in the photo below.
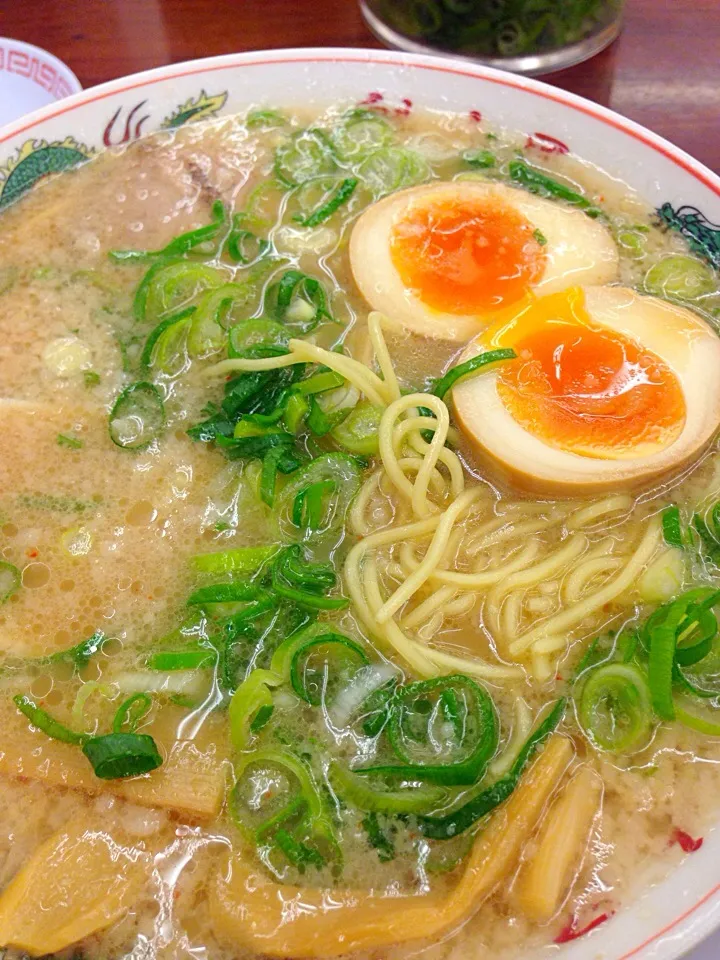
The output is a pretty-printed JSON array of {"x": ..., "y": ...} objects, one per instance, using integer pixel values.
[
  {"x": 445, "y": 65},
  {"x": 704, "y": 913},
  {"x": 50, "y": 58}
]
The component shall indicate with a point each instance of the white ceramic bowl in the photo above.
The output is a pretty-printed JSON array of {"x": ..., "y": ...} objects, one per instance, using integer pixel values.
[
  {"x": 676, "y": 914},
  {"x": 31, "y": 78}
]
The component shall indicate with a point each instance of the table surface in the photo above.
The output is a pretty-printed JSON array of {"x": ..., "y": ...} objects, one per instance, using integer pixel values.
[{"x": 664, "y": 70}]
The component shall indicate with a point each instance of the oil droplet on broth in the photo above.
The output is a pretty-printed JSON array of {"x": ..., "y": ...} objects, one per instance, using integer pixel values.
[
  {"x": 35, "y": 575},
  {"x": 141, "y": 514}
]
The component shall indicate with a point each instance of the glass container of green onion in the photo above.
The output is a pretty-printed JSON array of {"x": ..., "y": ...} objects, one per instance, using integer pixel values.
[{"x": 525, "y": 36}]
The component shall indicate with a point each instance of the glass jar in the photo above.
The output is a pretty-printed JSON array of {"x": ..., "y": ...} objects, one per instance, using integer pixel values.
[{"x": 525, "y": 36}]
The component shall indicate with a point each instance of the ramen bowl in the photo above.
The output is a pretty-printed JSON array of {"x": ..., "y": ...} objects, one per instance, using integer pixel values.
[
  {"x": 666, "y": 915},
  {"x": 31, "y": 78}
]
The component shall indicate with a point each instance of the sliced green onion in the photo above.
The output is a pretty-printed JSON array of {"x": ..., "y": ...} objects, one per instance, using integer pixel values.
[
  {"x": 378, "y": 838},
  {"x": 262, "y": 206},
  {"x": 308, "y": 506},
  {"x": 137, "y": 416},
  {"x": 377, "y": 709},
  {"x": 455, "y": 822},
  {"x": 243, "y": 246},
  {"x": 540, "y": 183},
  {"x": 705, "y": 720},
  {"x": 392, "y": 168},
  {"x": 339, "y": 656},
  {"x": 360, "y": 133},
  {"x": 250, "y": 333},
  {"x": 678, "y": 632},
  {"x": 237, "y": 592},
  {"x": 305, "y": 155},
  {"x": 359, "y": 431},
  {"x": 304, "y": 583},
  {"x": 243, "y": 560},
  {"x": 298, "y": 301},
  {"x": 479, "y": 159},
  {"x": 117, "y": 756},
  {"x": 443, "y": 731},
  {"x": 678, "y": 277},
  {"x": 71, "y": 442},
  {"x": 82, "y": 652},
  {"x": 168, "y": 661},
  {"x": 346, "y": 473},
  {"x": 448, "y": 380},
  {"x": 672, "y": 530},
  {"x": 341, "y": 195},
  {"x": 169, "y": 286},
  {"x": 253, "y": 442},
  {"x": 318, "y": 422},
  {"x": 252, "y": 699},
  {"x": 354, "y": 789},
  {"x": 170, "y": 356},
  {"x": 707, "y": 527},
  {"x": 181, "y": 244},
  {"x": 273, "y": 786},
  {"x": 265, "y": 119},
  {"x": 268, "y": 476},
  {"x": 146, "y": 357},
  {"x": 299, "y": 854},
  {"x": 207, "y": 330},
  {"x": 320, "y": 382},
  {"x": 633, "y": 241},
  {"x": 296, "y": 410},
  {"x": 44, "y": 721},
  {"x": 615, "y": 710},
  {"x": 10, "y": 580},
  {"x": 131, "y": 712}
]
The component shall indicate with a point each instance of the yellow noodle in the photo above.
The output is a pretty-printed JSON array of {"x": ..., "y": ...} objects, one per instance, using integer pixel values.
[
  {"x": 486, "y": 578},
  {"x": 532, "y": 576},
  {"x": 542, "y": 668},
  {"x": 510, "y": 614},
  {"x": 431, "y": 558},
  {"x": 572, "y": 548},
  {"x": 356, "y": 518},
  {"x": 549, "y": 645},
  {"x": 447, "y": 458},
  {"x": 390, "y": 448},
  {"x": 593, "y": 512},
  {"x": 539, "y": 604},
  {"x": 355, "y": 372},
  {"x": 240, "y": 364},
  {"x": 376, "y": 321},
  {"x": 460, "y": 605},
  {"x": 427, "y": 661},
  {"x": 578, "y": 580},
  {"x": 428, "y": 630},
  {"x": 571, "y": 617},
  {"x": 425, "y": 609}
]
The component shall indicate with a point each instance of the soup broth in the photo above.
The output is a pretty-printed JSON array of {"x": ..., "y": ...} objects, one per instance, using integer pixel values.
[{"x": 249, "y": 550}]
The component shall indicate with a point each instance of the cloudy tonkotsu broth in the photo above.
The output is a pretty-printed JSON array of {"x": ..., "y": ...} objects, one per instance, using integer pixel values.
[{"x": 252, "y": 544}]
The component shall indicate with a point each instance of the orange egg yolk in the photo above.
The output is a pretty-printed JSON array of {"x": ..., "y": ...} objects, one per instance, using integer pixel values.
[
  {"x": 466, "y": 257},
  {"x": 589, "y": 390}
]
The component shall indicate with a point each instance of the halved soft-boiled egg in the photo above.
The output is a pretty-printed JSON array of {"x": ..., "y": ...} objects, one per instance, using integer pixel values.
[
  {"x": 443, "y": 258},
  {"x": 609, "y": 389}
]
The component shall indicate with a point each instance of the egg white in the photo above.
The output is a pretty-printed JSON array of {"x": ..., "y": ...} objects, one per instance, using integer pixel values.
[
  {"x": 687, "y": 344},
  {"x": 578, "y": 251}
]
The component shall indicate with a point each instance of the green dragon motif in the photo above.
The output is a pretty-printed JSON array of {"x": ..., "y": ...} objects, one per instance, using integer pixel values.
[
  {"x": 702, "y": 235},
  {"x": 201, "y": 107},
  {"x": 35, "y": 160}
]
